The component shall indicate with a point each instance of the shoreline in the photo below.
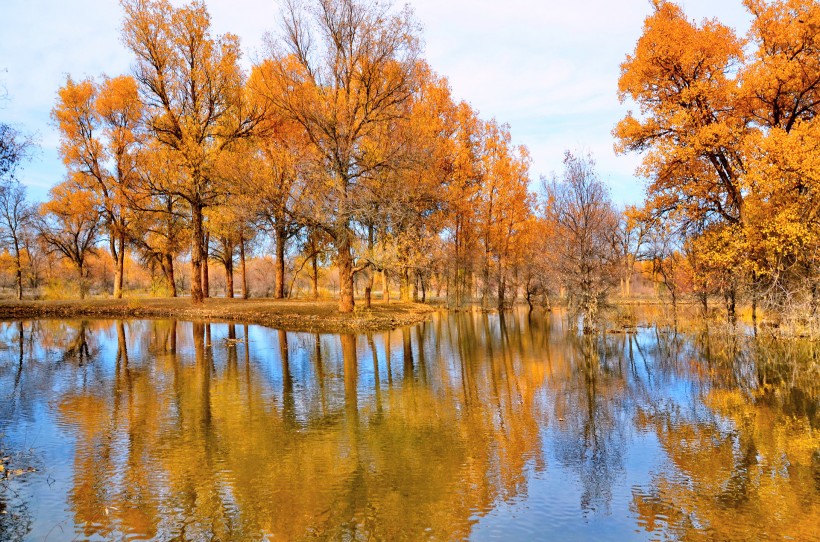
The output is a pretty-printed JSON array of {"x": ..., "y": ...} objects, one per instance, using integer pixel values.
[{"x": 286, "y": 314}]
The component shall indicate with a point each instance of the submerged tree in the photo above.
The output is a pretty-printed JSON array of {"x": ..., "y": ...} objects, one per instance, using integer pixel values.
[{"x": 582, "y": 221}]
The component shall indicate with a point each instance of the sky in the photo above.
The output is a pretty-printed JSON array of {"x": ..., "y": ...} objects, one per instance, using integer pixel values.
[{"x": 547, "y": 68}]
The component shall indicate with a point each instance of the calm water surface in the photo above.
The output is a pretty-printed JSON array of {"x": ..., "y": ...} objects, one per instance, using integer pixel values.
[{"x": 470, "y": 426}]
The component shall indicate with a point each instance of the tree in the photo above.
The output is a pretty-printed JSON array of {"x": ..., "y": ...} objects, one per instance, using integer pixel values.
[
  {"x": 582, "y": 220},
  {"x": 629, "y": 240},
  {"x": 343, "y": 70},
  {"x": 15, "y": 222},
  {"x": 193, "y": 91},
  {"x": 69, "y": 224},
  {"x": 160, "y": 221},
  {"x": 729, "y": 140},
  {"x": 15, "y": 148},
  {"x": 100, "y": 138}
]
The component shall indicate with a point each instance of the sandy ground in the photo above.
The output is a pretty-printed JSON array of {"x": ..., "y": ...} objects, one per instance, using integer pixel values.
[{"x": 291, "y": 315}]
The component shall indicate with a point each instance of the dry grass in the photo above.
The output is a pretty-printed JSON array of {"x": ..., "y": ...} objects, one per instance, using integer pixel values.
[{"x": 290, "y": 315}]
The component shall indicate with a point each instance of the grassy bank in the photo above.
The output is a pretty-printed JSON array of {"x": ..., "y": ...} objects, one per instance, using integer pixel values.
[{"x": 290, "y": 315}]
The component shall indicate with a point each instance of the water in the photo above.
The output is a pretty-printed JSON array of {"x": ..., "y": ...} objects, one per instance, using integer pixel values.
[{"x": 466, "y": 427}]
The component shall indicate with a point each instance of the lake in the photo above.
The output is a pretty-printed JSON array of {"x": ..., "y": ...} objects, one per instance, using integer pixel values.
[{"x": 469, "y": 426}]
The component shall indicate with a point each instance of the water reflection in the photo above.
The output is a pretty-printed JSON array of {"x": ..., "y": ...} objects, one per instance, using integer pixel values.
[{"x": 471, "y": 425}]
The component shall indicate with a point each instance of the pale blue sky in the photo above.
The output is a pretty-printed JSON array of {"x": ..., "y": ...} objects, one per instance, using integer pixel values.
[{"x": 549, "y": 69}]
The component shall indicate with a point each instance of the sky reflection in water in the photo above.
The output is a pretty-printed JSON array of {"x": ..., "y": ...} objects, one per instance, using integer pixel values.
[{"x": 468, "y": 426}]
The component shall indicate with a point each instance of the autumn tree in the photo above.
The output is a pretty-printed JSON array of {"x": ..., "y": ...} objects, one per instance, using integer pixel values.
[
  {"x": 195, "y": 103},
  {"x": 582, "y": 219},
  {"x": 629, "y": 240},
  {"x": 99, "y": 141},
  {"x": 15, "y": 214},
  {"x": 462, "y": 228},
  {"x": 505, "y": 207},
  {"x": 272, "y": 170},
  {"x": 16, "y": 220},
  {"x": 69, "y": 224},
  {"x": 729, "y": 140},
  {"x": 342, "y": 70},
  {"x": 160, "y": 223}
]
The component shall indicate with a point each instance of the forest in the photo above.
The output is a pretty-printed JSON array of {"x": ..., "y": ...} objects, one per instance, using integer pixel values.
[{"x": 340, "y": 164}]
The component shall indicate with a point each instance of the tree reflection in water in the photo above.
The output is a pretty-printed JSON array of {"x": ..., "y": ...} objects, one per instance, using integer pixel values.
[{"x": 215, "y": 431}]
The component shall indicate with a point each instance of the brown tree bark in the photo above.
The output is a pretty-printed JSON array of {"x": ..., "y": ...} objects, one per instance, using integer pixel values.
[
  {"x": 243, "y": 268},
  {"x": 279, "y": 284},
  {"x": 385, "y": 287},
  {"x": 228, "y": 276},
  {"x": 315, "y": 277},
  {"x": 197, "y": 295},
  {"x": 344, "y": 261},
  {"x": 206, "y": 278},
  {"x": 168, "y": 270},
  {"x": 119, "y": 274},
  {"x": 18, "y": 264}
]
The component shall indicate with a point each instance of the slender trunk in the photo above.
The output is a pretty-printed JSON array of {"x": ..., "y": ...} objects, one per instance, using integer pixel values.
[
  {"x": 368, "y": 288},
  {"x": 415, "y": 287},
  {"x": 229, "y": 274},
  {"x": 243, "y": 268},
  {"x": 754, "y": 298},
  {"x": 371, "y": 273},
  {"x": 315, "y": 277},
  {"x": 501, "y": 285},
  {"x": 18, "y": 264},
  {"x": 729, "y": 298},
  {"x": 81, "y": 273},
  {"x": 206, "y": 278},
  {"x": 197, "y": 295},
  {"x": 404, "y": 290},
  {"x": 119, "y": 275},
  {"x": 168, "y": 268},
  {"x": 279, "y": 285},
  {"x": 385, "y": 288},
  {"x": 345, "y": 264}
]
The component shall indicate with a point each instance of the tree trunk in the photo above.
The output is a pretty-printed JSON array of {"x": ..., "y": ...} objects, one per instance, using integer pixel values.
[
  {"x": 315, "y": 277},
  {"x": 279, "y": 285},
  {"x": 18, "y": 264},
  {"x": 385, "y": 287},
  {"x": 119, "y": 274},
  {"x": 197, "y": 295},
  {"x": 345, "y": 264},
  {"x": 81, "y": 273},
  {"x": 404, "y": 289},
  {"x": 206, "y": 277},
  {"x": 228, "y": 275},
  {"x": 243, "y": 268},
  {"x": 423, "y": 289},
  {"x": 729, "y": 297},
  {"x": 368, "y": 288},
  {"x": 168, "y": 269}
]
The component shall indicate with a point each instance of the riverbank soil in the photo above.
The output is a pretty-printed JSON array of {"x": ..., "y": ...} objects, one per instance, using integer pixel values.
[{"x": 286, "y": 314}]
